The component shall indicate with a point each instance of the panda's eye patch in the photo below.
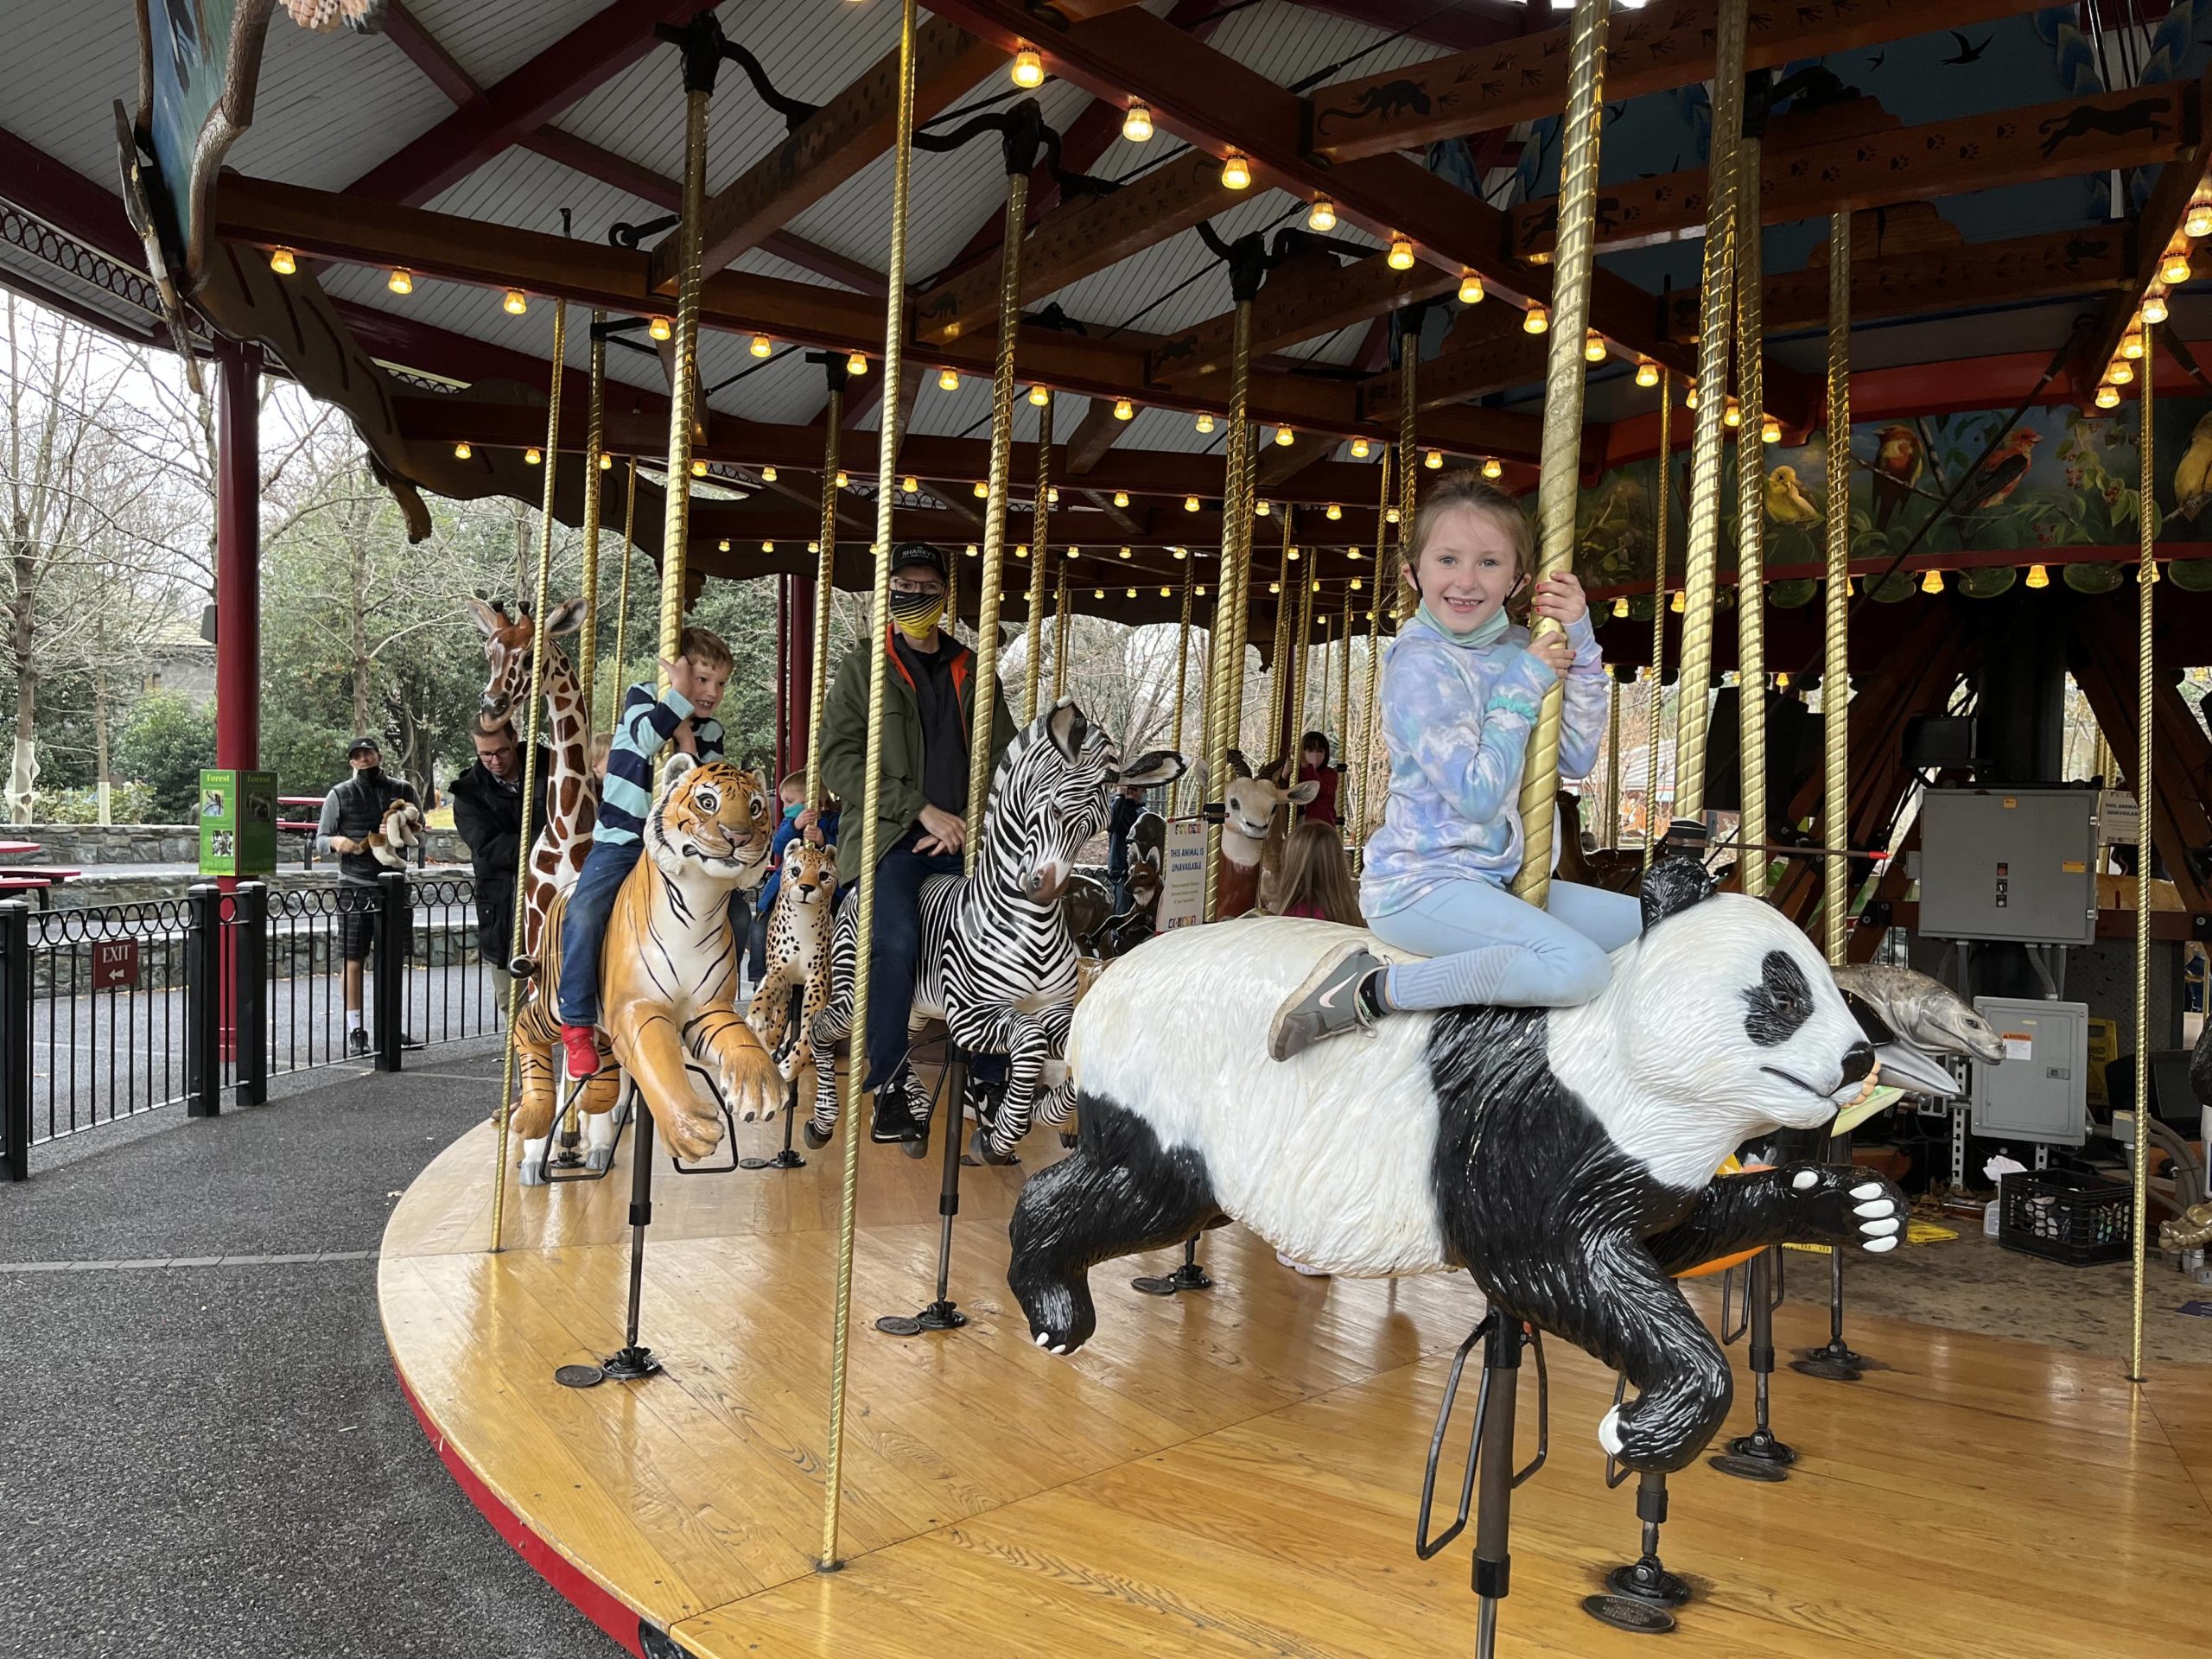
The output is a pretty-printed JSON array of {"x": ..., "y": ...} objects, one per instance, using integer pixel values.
[{"x": 1781, "y": 1002}]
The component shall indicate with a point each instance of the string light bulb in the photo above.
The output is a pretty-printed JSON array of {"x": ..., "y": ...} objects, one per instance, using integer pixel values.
[
  {"x": 767, "y": 475},
  {"x": 814, "y": 547},
  {"x": 2038, "y": 575},
  {"x": 947, "y": 379},
  {"x": 531, "y": 457},
  {"x": 606, "y": 462},
  {"x": 1041, "y": 396},
  {"x": 698, "y": 469},
  {"x": 2199, "y": 222},
  {"x": 1322, "y": 216},
  {"x": 1262, "y": 508},
  {"x": 1125, "y": 553},
  {"x": 845, "y": 481},
  {"x": 1931, "y": 582},
  {"x": 2131, "y": 347},
  {"x": 1121, "y": 498},
  {"x": 1593, "y": 347},
  {"x": 722, "y": 546},
  {"x": 1028, "y": 68},
  {"x": 1128, "y": 592},
  {"x": 982, "y": 491},
  {"x": 1136, "y": 123},
  {"x": 1284, "y": 437},
  {"x": 767, "y": 547},
  {"x": 401, "y": 280},
  {"x": 2154, "y": 309},
  {"x": 461, "y": 451},
  {"x": 1334, "y": 512},
  {"x": 1164, "y": 593},
  {"x": 1647, "y": 372},
  {"x": 2121, "y": 372},
  {"x": 762, "y": 345},
  {"x": 1689, "y": 396},
  {"x": 1389, "y": 515},
  {"x": 1189, "y": 504},
  {"x": 1182, "y": 553},
  {"x": 1292, "y": 554},
  {"x": 514, "y": 305},
  {"x": 2107, "y": 395},
  {"x": 1401, "y": 256},
  {"x": 1124, "y": 409},
  {"x": 1676, "y": 604},
  {"x": 1360, "y": 448},
  {"x": 1471, "y": 288},
  {"x": 2175, "y": 271},
  {"x": 1492, "y": 468},
  {"x": 1433, "y": 461},
  {"x": 1770, "y": 429},
  {"x": 1205, "y": 422},
  {"x": 856, "y": 363},
  {"x": 660, "y": 329},
  {"x": 1732, "y": 414},
  {"x": 283, "y": 261},
  {"x": 1021, "y": 551},
  {"x": 1535, "y": 321},
  {"x": 1354, "y": 584},
  {"x": 1052, "y": 498},
  {"x": 969, "y": 549},
  {"x": 1235, "y": 171},
  {"x": 911, "y": 484},
  {"x": 1620, "y": 606}
]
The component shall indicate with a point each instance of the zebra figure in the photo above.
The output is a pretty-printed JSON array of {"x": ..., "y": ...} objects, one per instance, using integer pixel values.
[{"x": 998, "y": 964}]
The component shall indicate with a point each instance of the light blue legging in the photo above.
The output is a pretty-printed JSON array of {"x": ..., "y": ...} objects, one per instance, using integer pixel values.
[{"x": 1486, "y": 946}]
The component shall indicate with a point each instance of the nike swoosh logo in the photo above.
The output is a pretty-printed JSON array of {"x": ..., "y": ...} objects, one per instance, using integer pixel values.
[{"x": 1329, "y": 997}]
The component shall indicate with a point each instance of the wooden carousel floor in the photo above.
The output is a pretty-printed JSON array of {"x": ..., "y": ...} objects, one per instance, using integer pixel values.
[{"x": 1232, "y": 1472}]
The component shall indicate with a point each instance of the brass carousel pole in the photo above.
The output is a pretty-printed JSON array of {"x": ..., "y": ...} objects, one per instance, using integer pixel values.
[
  {"x": 825, "y": 577},
  {"x": 1344, "y": 698},
  {"x": 1379, "y": 602},
  {"x": 1285, "y": 621},
  {"x": 1701, "y": 557},
  {"x": 894, "y": 339},
  {"x": 1061, "y": 624},
  {"x": 1182, "y": 673},
  {"x": 1301, "y": 663},
  {"x": 1658, "y": 617},
  {"x": 622, "y": 589},
  {"x": 2146, "y": 578},
  {"x": 1612, "y": 830},
  {"x": 1573, "y": 261},
  {"x": 1225, "y": 649},
  {"x": 1040, "y": 552},
  {"x": 531, "y": 727},
  {"x": 1751, "y": 529},
  {"x": 1409, "y": 464},
  {"x": 595, "y": 455}
]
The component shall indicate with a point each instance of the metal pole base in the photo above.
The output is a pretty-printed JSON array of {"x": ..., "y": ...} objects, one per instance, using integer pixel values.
[
  {"x": 579, "y": 1376},
  {"x": 628, "y": 1364},
  {"x": 1837, "y": 1363},
  {"x": 1628, "y": 1613},
  {"x": 1647, "y": 1580},
  {"x": 784, "y": 1160},
  {"x": 938, "y": 1316},
  {"x": 1757, "y": 1456},
  {"x": 1189, "y": 1276}
]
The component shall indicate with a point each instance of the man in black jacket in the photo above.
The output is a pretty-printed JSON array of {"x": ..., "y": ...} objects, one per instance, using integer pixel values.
[
  {"x": 352, "y": 812},
  {"x": 487, "y": 815}
]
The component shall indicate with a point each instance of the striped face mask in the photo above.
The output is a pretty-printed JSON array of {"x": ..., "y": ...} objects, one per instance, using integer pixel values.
[{"x": 917, "y": 614}]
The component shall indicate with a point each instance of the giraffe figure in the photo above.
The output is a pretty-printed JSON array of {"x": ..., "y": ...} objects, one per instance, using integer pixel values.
[{"x": 571, "y": 791}]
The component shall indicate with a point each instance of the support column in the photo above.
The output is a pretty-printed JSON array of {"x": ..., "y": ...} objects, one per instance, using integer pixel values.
[
  {"x": 798, "y": 683},
  {"x": 238, "y": 555}
]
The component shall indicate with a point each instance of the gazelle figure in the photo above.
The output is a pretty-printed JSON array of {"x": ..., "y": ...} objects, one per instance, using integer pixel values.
[{"x": 571, "y": 791}]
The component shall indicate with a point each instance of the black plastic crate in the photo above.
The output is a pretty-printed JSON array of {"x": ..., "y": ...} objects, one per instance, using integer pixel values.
[{"x": 2063, "y": 1216}]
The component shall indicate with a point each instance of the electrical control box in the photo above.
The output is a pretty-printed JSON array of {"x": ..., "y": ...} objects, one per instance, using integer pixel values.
[
  {"x": 2039, "y": 1091},
  {"x": 2008, "y": 864}
]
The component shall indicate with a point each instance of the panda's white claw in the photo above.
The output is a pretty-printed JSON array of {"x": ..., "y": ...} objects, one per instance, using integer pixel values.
[
  {"x": 1878, "y": 1245},
  {"x": 1044, "y": 1339},
  {"x": 1881, "y": 1228},
  {"x": 1878, "y": 1207},
  {"x": 1060, "y": 1348},
  {"x": 1870, "y": 1190},
  {"x": 1803, "y": 1178},
  {"x": 1608, "y": 1432}
]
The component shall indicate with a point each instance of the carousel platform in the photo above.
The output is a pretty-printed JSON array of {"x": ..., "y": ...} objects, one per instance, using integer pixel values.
[{"x": 1224, "y": 1472}]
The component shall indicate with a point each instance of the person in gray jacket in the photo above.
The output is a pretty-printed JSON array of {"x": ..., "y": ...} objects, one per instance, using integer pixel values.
[{"x": 352, "y": 812}]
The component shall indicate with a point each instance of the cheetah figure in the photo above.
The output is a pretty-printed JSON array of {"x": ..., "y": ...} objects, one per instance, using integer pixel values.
[{"x": 797, "y": 952}]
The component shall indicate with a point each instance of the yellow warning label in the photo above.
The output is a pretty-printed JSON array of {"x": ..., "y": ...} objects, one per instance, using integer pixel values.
[
  {"x": 2012, "y": 801},
  {"x": 2074, "y": 866}
]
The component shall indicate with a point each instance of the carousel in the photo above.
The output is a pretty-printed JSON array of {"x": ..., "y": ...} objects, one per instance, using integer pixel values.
[{"x": 1844, "y": 353}]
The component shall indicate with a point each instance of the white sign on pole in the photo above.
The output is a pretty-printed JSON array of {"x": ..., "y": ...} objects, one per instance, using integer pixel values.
[{"x": 1182, "y": 894}]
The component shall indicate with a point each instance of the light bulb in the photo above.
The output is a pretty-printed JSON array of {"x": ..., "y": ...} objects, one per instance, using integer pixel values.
[
  {"x": 1770, "y": 429},
  {"x": 1189, "y": 504},
  {"x": 1433, "y": 460},
  {"x": 722, "y": 546},
  {"x": 1136, "y": 124},
  {"x": 1125, "y": 552},
  {"x": 1164, "y": 593},
  {"x": 814, "y": 547},
  {"x": 2175, "y": 271},
  {"x": 910, "y": 484},
  {"x": 1323, "y": 216},
  {"x": 1932, "y": 582},
  {"x": 1028, "y": 68},
  {"x": 1537, "y": 321},
  {"x": 401, "y": 281},
  {"x": 767, "y": 475},
  {"x": 1353, "y": 553},
  {"x": 283, "y": 261},
  {"x": 844, "y": 482},
  {"x": 1205, "y": 422},
  {"x": 533, "y": 457},
  {"x": 1354, "y": 584},
  {"x": 1262, "y": 508},
  {"x": 1098, "y": 592},
  {"x": 969, "y": 549},
  {"x": 1124, "y": 409},
  {"x": 1039, "y": 396},
  {"x": 1285, "y": 436},
  {"x": 2131, "y": 347},
  {"x": 767, "y": 547},
  {"x": 2038, "y": 575},
  {"x": 2154, "y": 309},
  {"x": 1689, "y": 396},
  {"x": 1202, "y": 590},
  {"x": 1275, "y": 587},
  {"x": 461, "y": 451},
  {"x": 1334, "y": 512},
  {"x": 1235, "y": 171},
  {"x": 1471, "y": 288},
  {"x": 698, "y": 469},
  {"x": 1733, "y": 415},
  {"x": 947, "y": 379},
  {"x": 1675, "y": 605},
  {"x": 1782, "y": 682},
  {"x": 856, "y": 363},
  {"x": 1129, "y": 593},
  {"x": 606, "y": 462},
  {"x": 1492, "y": 468},
  {"x": 1121, "y": 498},
  {"x": 2199, "y": 222},
  {"x": 1593, "y": 347},
  {"x": 762, "y": 346},
  {"x": 1053, "y": 497},
  {"x": 1647, "y": 372},
  {"x": 2121, "y": 372},
  {"x": 514, "y": 304},
  {"x": 1390, "y": 515},
  {"x": 1182, "y": 553},
  {"x": 1021, "y": 551},
  {"x": 2107, "y": 397},
  {"x": 660, "y": 329},
  {"x": 1360, "y": 448},
  {"x": 1292, "y": 554},
  {"x": 1401, "y": 256},
  {"x": 1620, "y": 606},
  {"x": 982, "y": 491}
]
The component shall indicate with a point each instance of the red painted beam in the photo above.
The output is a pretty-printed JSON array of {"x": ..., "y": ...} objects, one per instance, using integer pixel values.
[
  {"x": 587, "y": 57},
  {"x": 67, "y": 200},
  {"x": 423, "y": 51}
]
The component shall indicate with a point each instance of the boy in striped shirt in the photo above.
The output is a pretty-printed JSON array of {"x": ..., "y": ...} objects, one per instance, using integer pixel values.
[{"x": 685, "y": 717}]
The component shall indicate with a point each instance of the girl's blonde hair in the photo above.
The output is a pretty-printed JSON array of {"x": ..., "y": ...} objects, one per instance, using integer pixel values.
[
  {"x": 1467, "y": 491},
  {"x": 1314, "y": 871}
]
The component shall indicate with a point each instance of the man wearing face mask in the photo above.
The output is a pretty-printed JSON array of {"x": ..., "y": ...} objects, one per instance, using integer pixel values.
[
  {"x": 352, "y": 812},
  {"x": 921, "y": 799}
]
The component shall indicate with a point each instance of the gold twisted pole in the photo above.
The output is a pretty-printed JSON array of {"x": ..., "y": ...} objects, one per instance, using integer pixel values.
[
  {"x": 1701, "y": 564},
  {"x": 1408, "y": 468},
  {"x": 825, "y": 577},
  {"x": 1301, "y": 665},
  {"x": 894, "y": 338},
  {"x": 1241, "y": 622},
  {"x": 999, "y": 485},
  {"x": 1386, "y": 587},
  {"x": 683, "y": 379},
  {"x": 1061, "y": 624},
  {"x": 1574, "y": 260},
  {"x": 1658, "y": 617},
  {"x": 1344, "y": 701},
  {"x": 1279, "y": 679},
  {"x": 1751, "y": 529},
  {"x": 594, "y": 452},
  {"x": 1039, "y": 547},
  {"x": 1225, "y": 650},
  {"x": 539, "y": 641},
  {"x": 2146, "y": 579},
  {"x": 622, "y": 590},
  {"x": 1182, "y": 674},
  {"x": 1835, "y": 668},
  {"x": 1612, "y": 841}
]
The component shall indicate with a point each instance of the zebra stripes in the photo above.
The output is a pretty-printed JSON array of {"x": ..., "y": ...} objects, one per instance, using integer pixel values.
[{"x": 997, "y": 963}]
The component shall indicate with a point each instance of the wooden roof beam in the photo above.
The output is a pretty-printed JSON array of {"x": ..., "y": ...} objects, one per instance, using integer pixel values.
[
  {"x": 1295, "y": 305},
  {"x": 2154, "y": 231},
  {"x": 2134, "y": 127},
  {"x": 1661, "y": 46}
]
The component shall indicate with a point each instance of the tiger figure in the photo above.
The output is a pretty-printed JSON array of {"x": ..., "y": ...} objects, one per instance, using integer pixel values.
[
  {"x": 797, "y": 952},
  {"x": 668, "y": 992}
]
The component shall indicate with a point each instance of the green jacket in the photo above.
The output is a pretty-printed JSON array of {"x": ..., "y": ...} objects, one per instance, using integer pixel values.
[{"x": 899, "y": 799}]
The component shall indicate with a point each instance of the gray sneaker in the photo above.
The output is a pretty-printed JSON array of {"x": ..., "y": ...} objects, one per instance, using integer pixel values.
[{"x": 1326, "y": 1005}]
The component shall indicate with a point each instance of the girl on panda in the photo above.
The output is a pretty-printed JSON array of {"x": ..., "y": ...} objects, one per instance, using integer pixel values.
[{"x": 1460, "y": 691}]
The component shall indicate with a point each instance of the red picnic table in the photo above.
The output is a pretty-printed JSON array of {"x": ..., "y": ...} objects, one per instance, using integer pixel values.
[{"x": 25, "y": 878}]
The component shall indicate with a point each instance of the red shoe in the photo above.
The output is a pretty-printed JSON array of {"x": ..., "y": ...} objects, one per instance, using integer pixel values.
[{"x": 582, "y": 1043}]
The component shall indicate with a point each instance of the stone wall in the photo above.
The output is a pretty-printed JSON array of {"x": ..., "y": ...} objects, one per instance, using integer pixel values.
[{"x": 86, "y": 846}]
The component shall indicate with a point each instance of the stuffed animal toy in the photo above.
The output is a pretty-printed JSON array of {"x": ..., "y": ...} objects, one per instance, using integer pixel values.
[
  {"x": 798, "y": 950},
  {"x": 397, "y": 834}
]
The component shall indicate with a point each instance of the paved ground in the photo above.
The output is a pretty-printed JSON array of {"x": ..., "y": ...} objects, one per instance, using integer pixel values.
[{"x": 202, "y": 1461}]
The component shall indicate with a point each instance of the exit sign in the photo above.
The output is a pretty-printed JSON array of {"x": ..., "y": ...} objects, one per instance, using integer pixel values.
[{"x": 115, "y": 964}]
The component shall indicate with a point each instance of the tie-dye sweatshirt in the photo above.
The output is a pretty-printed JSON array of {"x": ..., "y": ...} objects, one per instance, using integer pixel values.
[{"x": 1457, "y": 719}]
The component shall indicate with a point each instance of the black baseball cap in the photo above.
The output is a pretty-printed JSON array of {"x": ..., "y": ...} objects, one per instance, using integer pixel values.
[
  {"x": 911, "y": 553},
  {"x": 364, "y": 741}
]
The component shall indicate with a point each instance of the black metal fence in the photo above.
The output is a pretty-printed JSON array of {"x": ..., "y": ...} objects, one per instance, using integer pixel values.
[{"x": 116, "y": 1009}]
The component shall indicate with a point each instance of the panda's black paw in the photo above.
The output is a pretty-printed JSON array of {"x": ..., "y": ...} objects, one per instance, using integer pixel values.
[{"x": 1836, "y": 1203}]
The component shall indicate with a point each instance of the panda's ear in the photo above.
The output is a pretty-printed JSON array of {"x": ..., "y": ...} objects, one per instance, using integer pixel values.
[{"x": 1673, "y": 884}]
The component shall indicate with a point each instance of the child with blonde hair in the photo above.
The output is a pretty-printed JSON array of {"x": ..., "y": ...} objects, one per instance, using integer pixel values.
[{"x": 1314, "y": 879}]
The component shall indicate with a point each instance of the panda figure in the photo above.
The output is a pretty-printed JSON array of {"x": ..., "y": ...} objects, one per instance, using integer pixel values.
[{"x": 1564, "y": 1158}]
